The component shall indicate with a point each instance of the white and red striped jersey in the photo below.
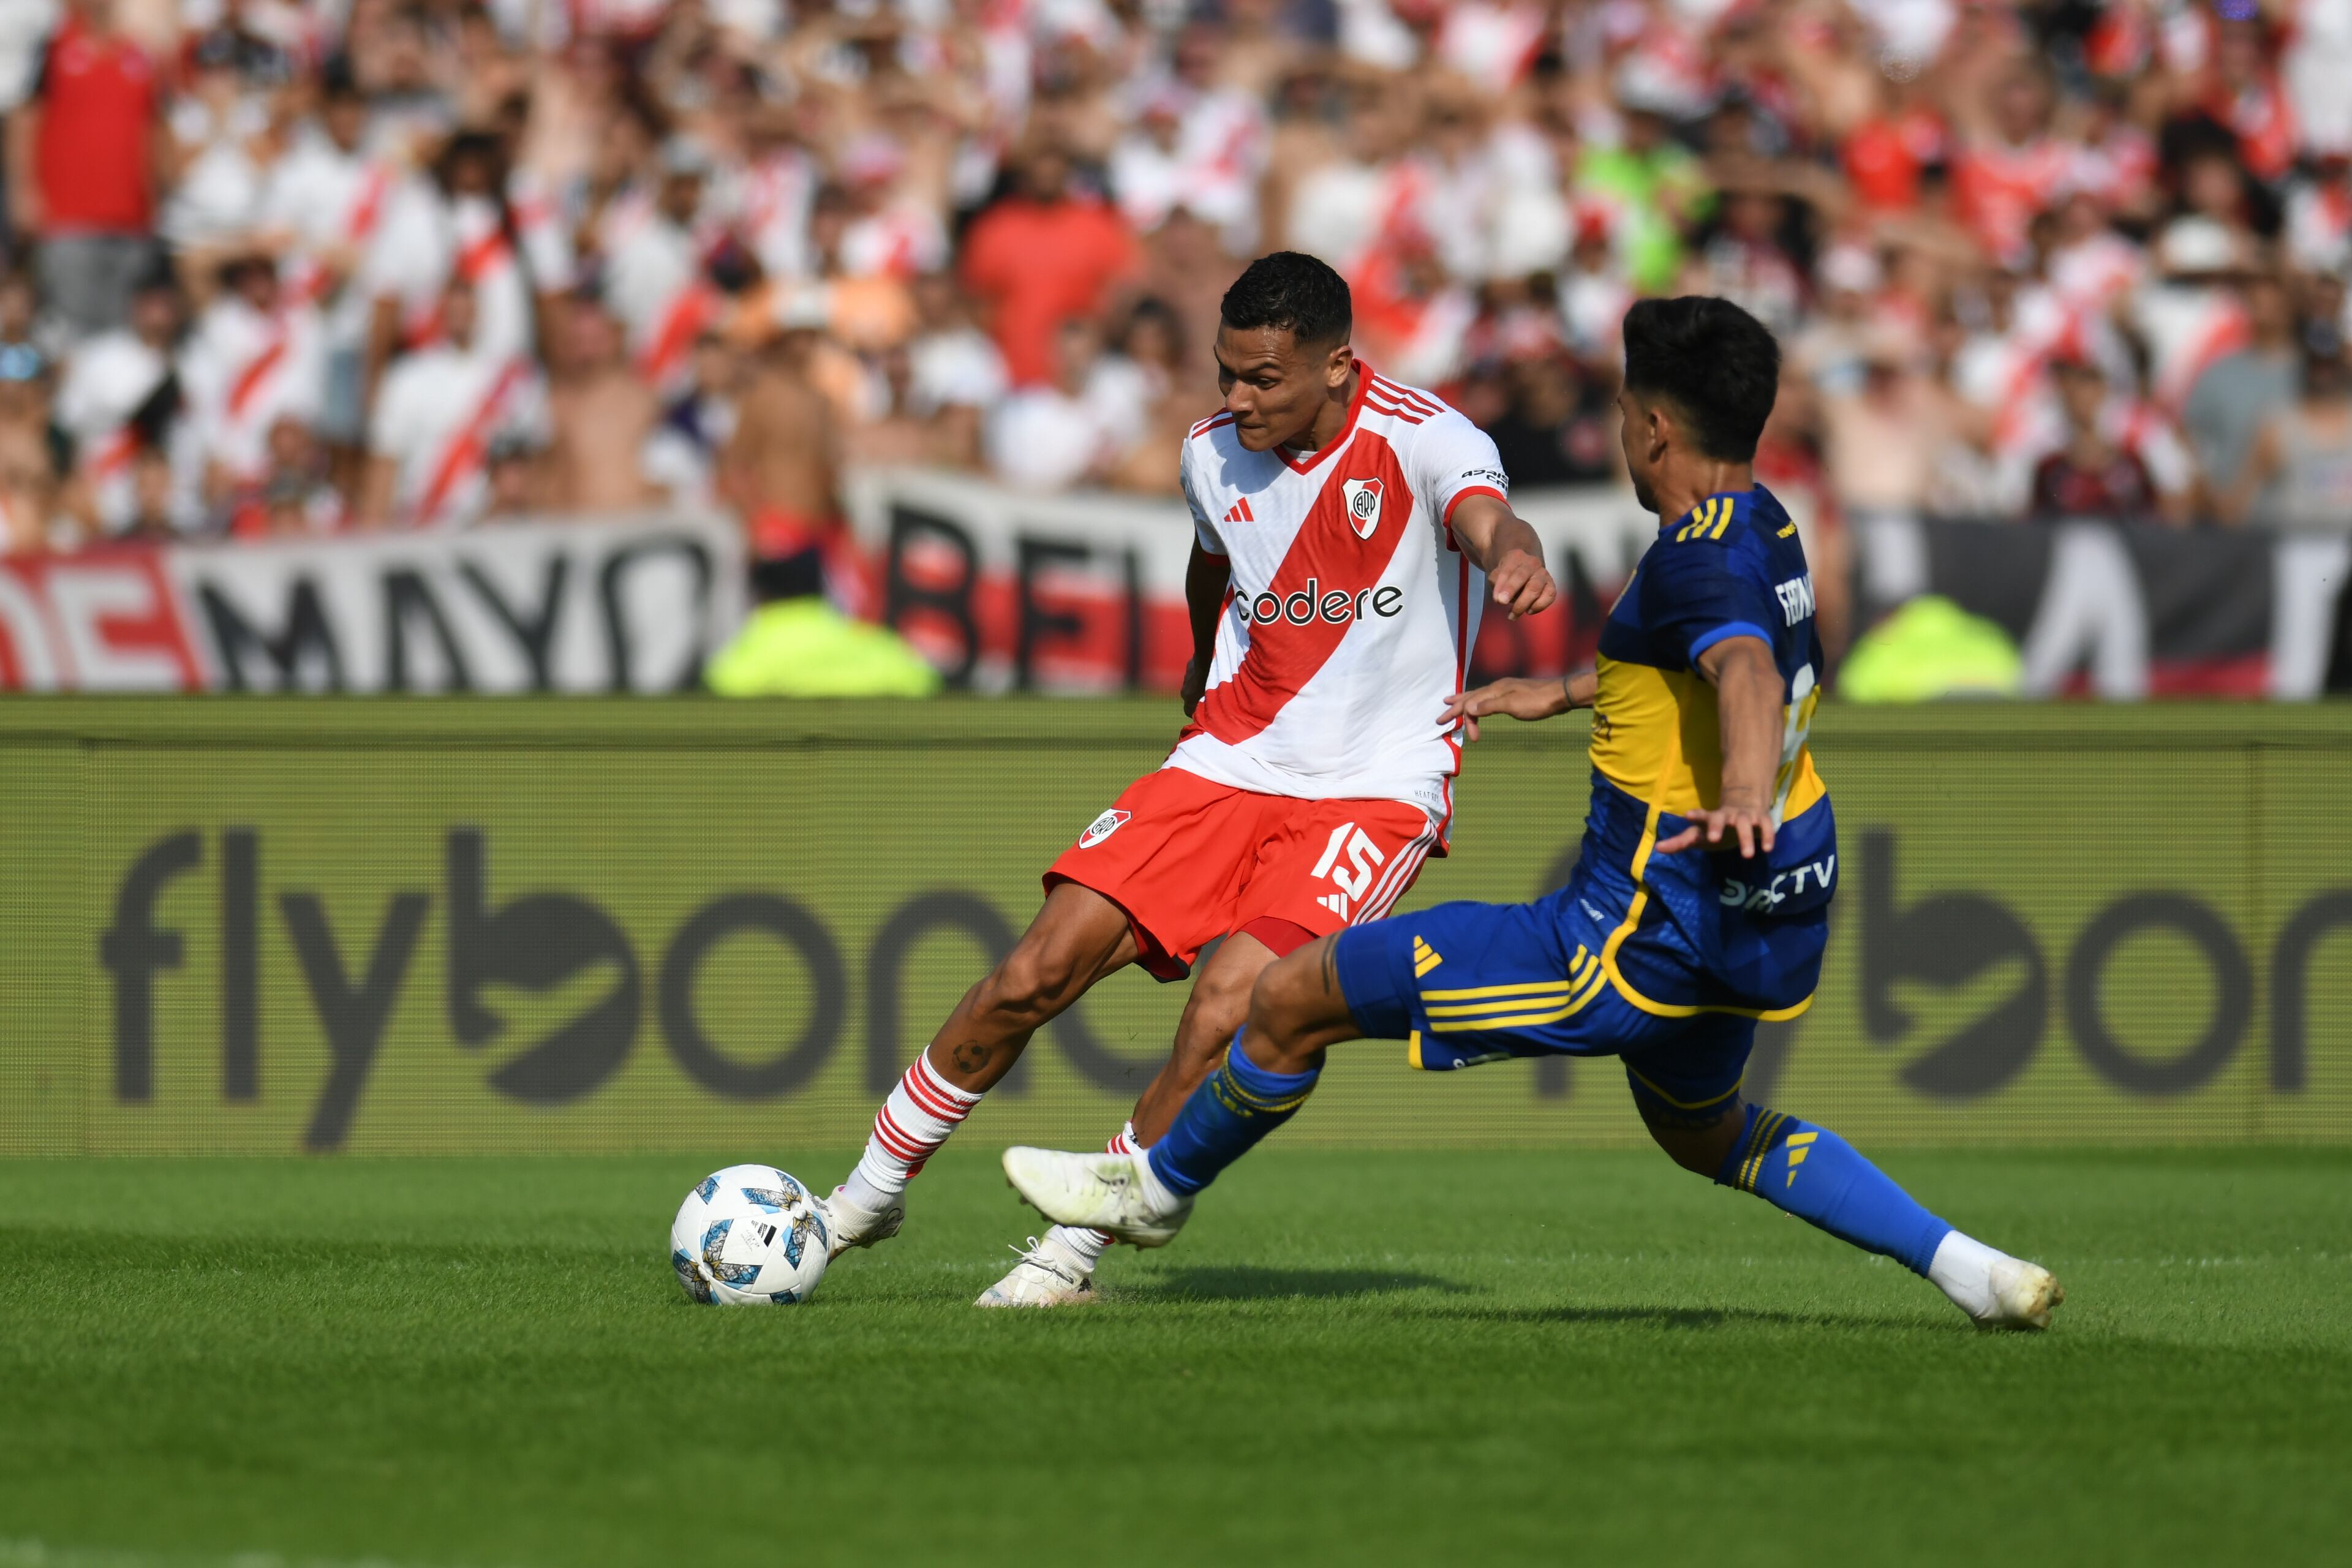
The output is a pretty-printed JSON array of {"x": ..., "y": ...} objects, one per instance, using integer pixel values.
[
  {"x": 654, "y": 284},
  {"x": 1492, "y": 44},
  {"x": 2319, "y": 225},
  {"x": 540, "y": 233},
  {"x": 899, "y": 241},
  {"x": 328, "y": 203},
  {"x": 1351, "y": 609},
  {"x": 107, "y": 379},
  {"x": 436, "y": 418},
  {"x": 2092, "y": 274},
  {"x": 2187, "y": 327},
  {"x": 422, "y": 240},
  {"x": 771, "y": 200},
  {"x": 1999, "y": 186},
  {"x": 244, "y": 370}
]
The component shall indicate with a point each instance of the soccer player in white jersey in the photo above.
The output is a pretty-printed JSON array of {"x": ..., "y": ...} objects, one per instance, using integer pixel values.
[{"x": 1350, "y": 531}]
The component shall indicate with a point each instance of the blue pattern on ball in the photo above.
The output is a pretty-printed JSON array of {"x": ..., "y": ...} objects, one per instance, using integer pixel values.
[
  {"x": 690, "y": 1276},
  {"x": 726, "y": 1273}
]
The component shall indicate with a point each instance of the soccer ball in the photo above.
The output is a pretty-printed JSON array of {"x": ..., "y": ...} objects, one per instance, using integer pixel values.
[{"x": 750, "y": 1236}]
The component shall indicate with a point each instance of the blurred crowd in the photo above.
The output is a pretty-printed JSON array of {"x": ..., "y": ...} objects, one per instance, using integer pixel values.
[{"x": 293, "y": 265}]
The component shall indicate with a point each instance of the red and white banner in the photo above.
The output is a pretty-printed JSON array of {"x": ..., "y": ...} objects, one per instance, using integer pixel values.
[
  {"x": 507, "y": 607},
  {"x": 1006, "y": 590}
]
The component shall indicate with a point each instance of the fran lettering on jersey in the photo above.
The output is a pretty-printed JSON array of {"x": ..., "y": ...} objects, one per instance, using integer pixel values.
[{"x": 1796, "y": 597}]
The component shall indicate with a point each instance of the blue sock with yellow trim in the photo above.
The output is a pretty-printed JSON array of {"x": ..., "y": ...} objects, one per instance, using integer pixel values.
[
  {"x": 1225, "y": 1120},
  {"x": 1816, "y": 1175}
]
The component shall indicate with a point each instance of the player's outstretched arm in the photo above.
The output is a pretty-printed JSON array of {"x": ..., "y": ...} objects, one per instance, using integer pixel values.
[
  {"x": 1519, "y": 697},
  {"x": 1505, "y": 548},
  {"x": 1749, "y": 695}
]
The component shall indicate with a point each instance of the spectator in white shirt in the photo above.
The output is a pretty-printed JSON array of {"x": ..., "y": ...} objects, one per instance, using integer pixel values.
[
  {"x": 326, "y": 203},
  {"x": 219, "y": 128},
  {"x": 254, "y": 358},
  {"x": 439, "y": 414},
  {"x": 1070, "y": 431},
  {"x": 654, "y": 265},
  {"x": 1146, "y": 168},
  {"x": 118, "y": 397},
  {"x": 454, "y": 226},
  {"x": 958, "y": 373}
]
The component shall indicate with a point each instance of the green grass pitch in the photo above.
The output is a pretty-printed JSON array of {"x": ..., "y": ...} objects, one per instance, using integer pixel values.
[{"x": 1347, "y": 1358}]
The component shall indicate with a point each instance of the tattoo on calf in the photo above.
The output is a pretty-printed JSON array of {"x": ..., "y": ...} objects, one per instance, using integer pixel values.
[
  {"x": 970, "y": 1056},
  {"x": 1331, "y": 966}
]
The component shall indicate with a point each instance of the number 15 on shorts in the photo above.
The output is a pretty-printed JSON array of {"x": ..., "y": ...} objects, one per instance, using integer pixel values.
[{"x": 1352, "y": 874}]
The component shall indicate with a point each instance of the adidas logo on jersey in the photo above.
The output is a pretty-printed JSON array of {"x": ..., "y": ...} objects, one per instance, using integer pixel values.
[
  {"x": 1336, "y": 902},
  {"x": 1241, "y": 511},
  {"x": 1309, "y": 603},
  {"x": 1363, "y": 498}
]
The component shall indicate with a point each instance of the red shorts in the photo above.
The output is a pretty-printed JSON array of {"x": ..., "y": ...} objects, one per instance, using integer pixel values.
[{"x": 1190, "y": 861}]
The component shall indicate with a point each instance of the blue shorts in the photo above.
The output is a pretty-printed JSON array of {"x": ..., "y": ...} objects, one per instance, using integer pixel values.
[{"x": 1466, "y": 982}]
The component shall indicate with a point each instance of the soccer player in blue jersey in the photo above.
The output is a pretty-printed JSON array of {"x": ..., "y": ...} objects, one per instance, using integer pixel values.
[{"x": 1699, "y": 904}]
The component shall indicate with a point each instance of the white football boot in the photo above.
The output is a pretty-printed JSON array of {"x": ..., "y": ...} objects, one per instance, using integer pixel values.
[
  {"x": 2022, "y": 1295},
  {"x": 1996, "y": 1291},
  {"x": 1114, "y": 1193},
  {"x": 854, "y": 1226},
  {"x": 1047, "y": 1276}
]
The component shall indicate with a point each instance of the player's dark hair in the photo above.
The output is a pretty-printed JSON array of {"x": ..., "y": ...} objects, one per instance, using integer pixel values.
[
  {"x": 1713, "y": 360},
  {"x": 1294, "y": 292}
]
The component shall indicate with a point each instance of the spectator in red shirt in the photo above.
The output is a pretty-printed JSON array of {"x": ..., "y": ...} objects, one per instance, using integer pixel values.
[
  {"x": 84, "y": 152},
  {"x": 1041, "y": 256},
  {"x": 2241, "y": 91},
  {"x": 2010, "y": 166},
  {"x": 1885, "y": 153}
]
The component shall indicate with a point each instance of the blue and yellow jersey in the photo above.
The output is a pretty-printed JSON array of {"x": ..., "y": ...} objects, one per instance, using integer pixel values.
[{"x": 1703, "y": 931}]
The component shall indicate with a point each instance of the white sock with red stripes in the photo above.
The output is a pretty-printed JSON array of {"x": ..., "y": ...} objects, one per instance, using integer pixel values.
[
  {"x": 908, "y": 1131},
  {"x": 1086, "y": 1246}
]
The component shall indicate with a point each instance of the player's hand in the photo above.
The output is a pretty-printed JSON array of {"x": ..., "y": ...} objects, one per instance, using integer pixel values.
[
  {"x": 1750, "y": 825},
  {"x": 1196, "y": 681},
  {"x": 1515, "y": 697},
  {"x": 1520, "y": 584}
]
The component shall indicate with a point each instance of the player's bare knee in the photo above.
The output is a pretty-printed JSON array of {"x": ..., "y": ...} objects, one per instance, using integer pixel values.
[
  {"x": 1697, "y": 1148},
  {"x": 1282, "y": 1003},
  {"x": 1220, "y": 1002},
  {"x": 1687, "y": 1156}
]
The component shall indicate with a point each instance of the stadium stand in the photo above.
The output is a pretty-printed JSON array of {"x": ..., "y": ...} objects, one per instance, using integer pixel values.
[{"x": 298, "y": 266}]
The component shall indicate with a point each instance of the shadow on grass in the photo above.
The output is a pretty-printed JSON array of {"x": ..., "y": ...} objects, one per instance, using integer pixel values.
[
  {"x": 1243, "y": 1282},
  {"x": 1682, "y": 1318}
]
